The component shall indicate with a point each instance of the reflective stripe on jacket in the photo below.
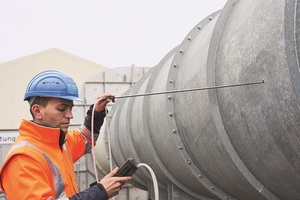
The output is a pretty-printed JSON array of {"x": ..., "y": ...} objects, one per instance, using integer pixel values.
[
  {"x": 58, "y": 182},
  {"x": 37, "y": 167}
]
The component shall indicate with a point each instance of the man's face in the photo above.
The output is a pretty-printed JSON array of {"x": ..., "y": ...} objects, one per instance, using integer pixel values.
[{"x": 56, "y": 114}]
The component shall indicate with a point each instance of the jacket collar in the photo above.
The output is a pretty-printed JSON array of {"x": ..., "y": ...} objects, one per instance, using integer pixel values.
[{"x": 41, "y": 133}]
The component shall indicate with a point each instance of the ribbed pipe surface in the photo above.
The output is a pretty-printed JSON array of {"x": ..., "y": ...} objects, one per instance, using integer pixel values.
[{"x": 230, "y": 143}]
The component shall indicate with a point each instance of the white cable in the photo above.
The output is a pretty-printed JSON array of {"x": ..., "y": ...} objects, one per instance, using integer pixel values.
[
  {"x": 92, "y": 132},
  {"x": 108, "y": 135},
  {"x": 108, "y": 140},
  {"x": 93, "y": 150},
  {"x": 154, "y": 180}
]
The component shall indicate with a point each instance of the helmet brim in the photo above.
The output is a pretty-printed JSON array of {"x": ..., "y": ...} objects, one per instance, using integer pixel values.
[{"x": 73, "y": 98}]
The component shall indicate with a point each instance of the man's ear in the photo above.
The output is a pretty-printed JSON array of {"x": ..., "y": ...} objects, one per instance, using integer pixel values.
[{"x": 37, "y": 111}]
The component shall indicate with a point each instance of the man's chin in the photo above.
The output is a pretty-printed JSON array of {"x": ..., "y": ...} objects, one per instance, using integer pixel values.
[{"x": 64, "y": 129}]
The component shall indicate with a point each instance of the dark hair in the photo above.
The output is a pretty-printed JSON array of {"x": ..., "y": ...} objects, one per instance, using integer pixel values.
[{"x": 42, "y": 101}]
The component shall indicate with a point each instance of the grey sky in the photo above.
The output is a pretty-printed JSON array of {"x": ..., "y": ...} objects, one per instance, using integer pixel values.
[{"x": 113, "y": 33}]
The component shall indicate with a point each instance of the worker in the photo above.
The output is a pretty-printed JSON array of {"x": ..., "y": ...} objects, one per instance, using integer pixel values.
[{"x": 39, "y": 165}]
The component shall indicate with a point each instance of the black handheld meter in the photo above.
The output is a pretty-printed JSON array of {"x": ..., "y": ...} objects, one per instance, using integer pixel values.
[{"x": 127, "y": 169}]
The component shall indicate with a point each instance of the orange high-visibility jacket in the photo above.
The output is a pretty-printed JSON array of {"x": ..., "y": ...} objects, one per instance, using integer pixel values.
[{"x": 37, "y": 167}]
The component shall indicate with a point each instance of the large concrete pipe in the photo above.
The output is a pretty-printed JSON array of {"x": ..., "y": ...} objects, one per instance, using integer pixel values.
[{"x": 229, "y": 143}]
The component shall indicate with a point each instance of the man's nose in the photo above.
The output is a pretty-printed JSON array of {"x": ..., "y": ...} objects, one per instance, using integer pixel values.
[{"x": 69, "y": 114}]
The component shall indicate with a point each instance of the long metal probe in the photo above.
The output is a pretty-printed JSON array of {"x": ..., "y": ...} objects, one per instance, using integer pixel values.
[{"x": 189, "y": 90}]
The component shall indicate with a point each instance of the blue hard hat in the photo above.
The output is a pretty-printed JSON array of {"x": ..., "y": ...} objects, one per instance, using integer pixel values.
[{"x": 52, "y": 83}]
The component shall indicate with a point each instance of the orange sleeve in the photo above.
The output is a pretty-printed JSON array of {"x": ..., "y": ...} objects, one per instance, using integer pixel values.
[{"x": 24, "y": 178}]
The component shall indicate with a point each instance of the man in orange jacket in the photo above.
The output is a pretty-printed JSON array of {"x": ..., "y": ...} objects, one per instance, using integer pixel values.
[{"x": 39, "y": 164}]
